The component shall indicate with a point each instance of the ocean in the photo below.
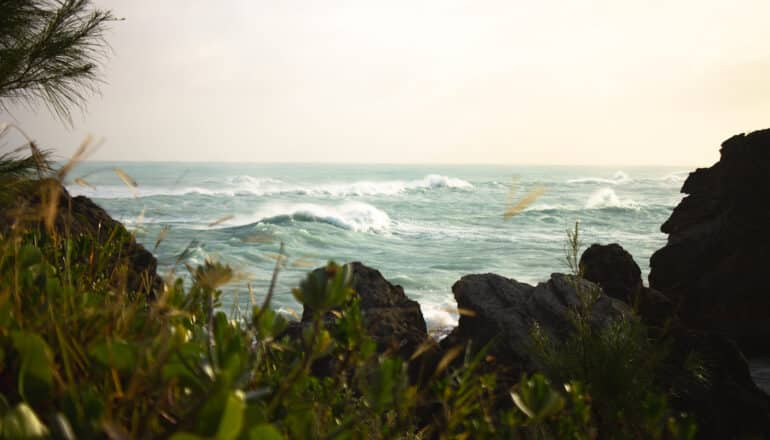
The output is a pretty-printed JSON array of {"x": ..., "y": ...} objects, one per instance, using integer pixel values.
[{"x": 422, "y": 226}]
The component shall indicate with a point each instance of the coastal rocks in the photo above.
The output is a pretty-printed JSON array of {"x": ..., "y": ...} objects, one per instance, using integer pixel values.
[
  {"x": 713, "y": 267},
  {"x": 131, "y": 267},
  {"x": 503, "y": 311},
  {"x": 708, "y": 375},
  {"x": 394, "y": 321},
  {"x": 615, "y": 271}
]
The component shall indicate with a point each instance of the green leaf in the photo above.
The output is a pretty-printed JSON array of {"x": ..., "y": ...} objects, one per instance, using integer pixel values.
[
  {"x": 535, "y": 398},
  {"x": 186, "y": 436},
  {"x": 35, "y": 374},
  {"x": 22, "y": 422},
  {"x": 325, "y": 289},
  {"x": 380, "y": 388},
  {"x": 232, "y": 417},
  {"x": 265, "y": 431},
  {"x": 29, "y": 255},
  {"x": 114, "y": 354}
]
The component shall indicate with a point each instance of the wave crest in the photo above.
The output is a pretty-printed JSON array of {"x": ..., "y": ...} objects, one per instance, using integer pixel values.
[
  {"x": 354, "y": 216},
  {"x": 618, "y": 178},
  {"x": 607, "y": 198}
]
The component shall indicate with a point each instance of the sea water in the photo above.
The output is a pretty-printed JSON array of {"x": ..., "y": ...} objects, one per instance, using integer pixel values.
[{"x": 422, "y": 226}]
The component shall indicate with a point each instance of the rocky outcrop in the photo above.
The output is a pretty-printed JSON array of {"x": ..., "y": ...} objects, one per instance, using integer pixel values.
[
  {"x": 502, "y": 312},
  {"x": 131, "y": 267},
  {"x": 713, "y": 267},
  {"x": 615, "y": 271},
  {"x": 394, "y": 321},
  {"x": 705, "y": 373}
]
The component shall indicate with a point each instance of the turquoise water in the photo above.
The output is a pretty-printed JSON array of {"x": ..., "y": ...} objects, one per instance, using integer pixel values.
[{"x": 422, "y": 226}]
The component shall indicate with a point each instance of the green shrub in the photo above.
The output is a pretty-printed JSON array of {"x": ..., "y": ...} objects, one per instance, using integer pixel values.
[{"x": 617, "y": 365}]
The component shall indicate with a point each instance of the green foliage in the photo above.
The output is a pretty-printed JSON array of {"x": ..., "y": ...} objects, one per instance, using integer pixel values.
[{"x": 49, "y": 51}]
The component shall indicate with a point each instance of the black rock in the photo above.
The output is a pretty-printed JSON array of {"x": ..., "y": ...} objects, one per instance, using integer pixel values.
[
  {"x": 713, "y": 267},
  {"x": 394, "y": 321},
  {"x": 503, "y": 311},
  {"x": 614, "y": 269},
  {"x": 133, "y": 268}
]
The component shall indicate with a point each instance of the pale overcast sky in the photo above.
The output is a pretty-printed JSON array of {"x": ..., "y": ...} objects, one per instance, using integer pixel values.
[{"x": 606, "y": 82}]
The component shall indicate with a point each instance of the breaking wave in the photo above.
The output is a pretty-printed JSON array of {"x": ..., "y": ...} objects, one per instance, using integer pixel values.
[
  {"x": 607, "y": 198},
  {"x": 354, "y": 216}
]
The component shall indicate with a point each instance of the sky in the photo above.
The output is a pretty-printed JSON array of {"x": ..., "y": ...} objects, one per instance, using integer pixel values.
[{"x": 601, "y": 82}]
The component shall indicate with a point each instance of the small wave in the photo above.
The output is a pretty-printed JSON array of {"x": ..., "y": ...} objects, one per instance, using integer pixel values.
[
  {"x": 618, "y": 178},
  {"x": 354, "y": 216},
  {"x": 544, "y": 207},
  {"x": 122, "y": 192},
  {"x": 250, "y": 180},
  {"x": 607, "y": 198},
  {"x": 678, "y": 177}
]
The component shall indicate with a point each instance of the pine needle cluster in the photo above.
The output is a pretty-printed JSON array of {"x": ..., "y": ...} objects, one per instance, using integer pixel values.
[{"x": 50, "y": 51}]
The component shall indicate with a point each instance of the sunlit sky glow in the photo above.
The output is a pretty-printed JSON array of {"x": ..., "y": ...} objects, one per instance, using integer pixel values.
[{"x": 603, "y": 82}]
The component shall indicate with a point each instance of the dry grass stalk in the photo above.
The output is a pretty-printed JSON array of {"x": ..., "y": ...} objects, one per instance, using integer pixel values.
[{"x": 522, "y": 204}]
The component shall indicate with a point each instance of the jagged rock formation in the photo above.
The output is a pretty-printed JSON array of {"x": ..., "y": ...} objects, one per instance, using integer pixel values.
[
  {"x": 713, "y": 267},
  {"x": 503, "y": 311}
]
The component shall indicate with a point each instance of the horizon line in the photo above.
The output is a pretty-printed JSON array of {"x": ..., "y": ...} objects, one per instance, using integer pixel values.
[{"x": 490, "y": 164}]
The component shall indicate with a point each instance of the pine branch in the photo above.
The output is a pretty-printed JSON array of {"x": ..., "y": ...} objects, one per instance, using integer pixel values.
[{"x": 50, "y": 51}]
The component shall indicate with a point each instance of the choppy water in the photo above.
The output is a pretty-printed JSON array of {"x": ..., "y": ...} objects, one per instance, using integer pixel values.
[{"x": 422, "y": 226}]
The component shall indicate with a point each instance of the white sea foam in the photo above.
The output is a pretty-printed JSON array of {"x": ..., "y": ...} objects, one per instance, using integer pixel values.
[
  {"x": 355, "y": 216},
  {"x": 370, "y": 188},
  {"x": 677, "y": 177},
  {"x": 548, "y": 207},
  {"x": 607, "y": 198},
  {"x": 438, "y": 316},
  {"x": 618, "y": 178},
  {"x": 248, "y": 185}
]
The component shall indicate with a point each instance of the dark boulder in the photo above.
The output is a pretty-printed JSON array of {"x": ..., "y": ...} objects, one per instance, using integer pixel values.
[
  {"x": 503, "y": 311},
  {"x": 394, "y": 321},
  {"x": 615, "y": 271},
  {"x": 132, "y": 268},
  {"x": 719, "y": 246}
]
